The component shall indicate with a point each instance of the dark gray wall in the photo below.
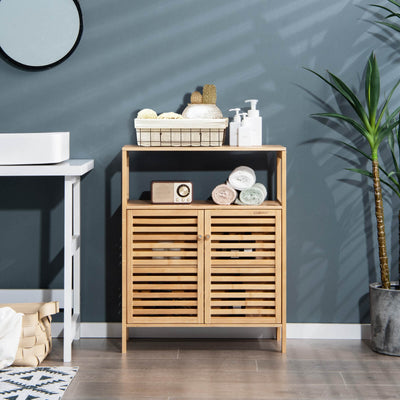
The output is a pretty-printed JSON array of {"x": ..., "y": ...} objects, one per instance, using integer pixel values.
[{"x": 136, "y": 54}]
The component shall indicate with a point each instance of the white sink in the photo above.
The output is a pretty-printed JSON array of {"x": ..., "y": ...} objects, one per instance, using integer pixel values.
[{"x": 34, "y": 148}]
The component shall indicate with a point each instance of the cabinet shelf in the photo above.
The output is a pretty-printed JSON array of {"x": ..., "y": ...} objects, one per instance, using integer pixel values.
[
  {"x": 271, "y": 147},
  {"x": 199, "y": 204}
]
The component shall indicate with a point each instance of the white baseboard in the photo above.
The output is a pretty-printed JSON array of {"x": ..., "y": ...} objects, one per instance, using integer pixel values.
[
  {"x": 294, "y": 331},
  {"x": 328, "y": 331}
]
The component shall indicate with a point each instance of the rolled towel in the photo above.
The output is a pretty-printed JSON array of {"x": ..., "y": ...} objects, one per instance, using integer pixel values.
[
  {"x": 253, "y": 196},
  {"x": 224, "y": 194},
  {"x": 10, "y": 333},
  {"x": 242, "y": 178}
]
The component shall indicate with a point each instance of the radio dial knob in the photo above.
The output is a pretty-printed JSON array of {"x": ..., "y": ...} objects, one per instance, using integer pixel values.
[{"x": 183, "y": 190}]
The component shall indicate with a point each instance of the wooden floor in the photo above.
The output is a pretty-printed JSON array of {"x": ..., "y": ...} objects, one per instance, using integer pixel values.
[{"x": 229, "y": 369}]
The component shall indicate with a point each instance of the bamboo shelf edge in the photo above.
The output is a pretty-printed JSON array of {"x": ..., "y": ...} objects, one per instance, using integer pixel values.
[
  {"x": 202, "y": 325},
  {"x": 201, "y": 204},
  {"x": 270, "y": 147}
]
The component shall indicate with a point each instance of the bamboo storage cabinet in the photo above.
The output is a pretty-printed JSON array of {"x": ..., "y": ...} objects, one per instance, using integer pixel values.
[{"x": 203, "y": 264}]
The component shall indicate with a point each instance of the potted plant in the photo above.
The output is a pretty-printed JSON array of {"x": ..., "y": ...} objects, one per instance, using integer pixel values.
[{"x": 375, "y": 124}]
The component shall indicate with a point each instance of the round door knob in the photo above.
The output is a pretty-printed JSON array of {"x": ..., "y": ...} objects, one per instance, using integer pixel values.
[
  {"x": 200, "y": 237},
  {"x": 207, "y": 237}
]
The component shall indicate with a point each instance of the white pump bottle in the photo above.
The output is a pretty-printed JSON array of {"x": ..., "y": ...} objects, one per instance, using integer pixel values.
[
  {"x": 234, "y": 128},
  {"x": 246, "y": 133},
  {"x": 254, "y": 123}
]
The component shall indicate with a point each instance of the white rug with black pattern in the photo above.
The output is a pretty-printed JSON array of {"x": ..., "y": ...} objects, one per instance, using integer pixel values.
[{"x": 43, "y": 383}]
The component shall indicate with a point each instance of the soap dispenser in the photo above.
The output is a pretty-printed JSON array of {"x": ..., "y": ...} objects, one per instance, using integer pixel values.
[
  {"x": 234, "y": 128},
  {"x": 254, "y": 123},
  {"x": 245, "y": 132}
]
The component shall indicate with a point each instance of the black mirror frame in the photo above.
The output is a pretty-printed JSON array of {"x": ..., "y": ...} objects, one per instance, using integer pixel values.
[{"x": 13, "y": 62}]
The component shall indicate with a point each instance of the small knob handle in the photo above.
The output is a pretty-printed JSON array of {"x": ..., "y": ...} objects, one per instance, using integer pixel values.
[
  {"x": 200, "y": 237},
  {"x": 207, "y": 237}
]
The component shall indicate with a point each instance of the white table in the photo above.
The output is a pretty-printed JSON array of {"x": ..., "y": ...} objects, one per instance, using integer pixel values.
[{"x": 71, "y": 170}]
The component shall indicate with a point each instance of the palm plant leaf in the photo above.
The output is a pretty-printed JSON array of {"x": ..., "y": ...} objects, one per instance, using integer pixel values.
[
  {"x": 369, "y": 174},
  {"x": 392, "y": 13},
  {"x": 394, "y": 2},
  {"x": 350, "y": 120},
  {"x": 386, "y": 103},
  {"x": 389, "y": 25},
  {"x": 340, "y": 87},
  {"x": 392, "y": 152},
  {"x": 388, "y": 174},
  {"x": 372, "y": 88},
  {"x": 351, "y": 98},
  {"x": 383, "y": 133}
]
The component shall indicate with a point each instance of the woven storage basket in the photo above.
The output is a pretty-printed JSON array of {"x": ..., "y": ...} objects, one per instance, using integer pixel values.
[
  {"x": 35, "y": 342},
  {"x": 180, "y": 132}
]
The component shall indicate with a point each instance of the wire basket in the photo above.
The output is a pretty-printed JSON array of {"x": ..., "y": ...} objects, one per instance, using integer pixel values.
[{"x": 180, "y": 132}]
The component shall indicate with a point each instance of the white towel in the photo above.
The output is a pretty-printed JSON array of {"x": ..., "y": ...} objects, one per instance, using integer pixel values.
[
  {"x": 224, "y": 194},
  {"x": 242, "y": 178},
  {"x": 10, "y": 333},
  {"x": 253, "y": 196}
]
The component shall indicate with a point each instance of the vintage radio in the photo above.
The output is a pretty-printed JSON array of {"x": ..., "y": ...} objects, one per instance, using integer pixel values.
[{"x": 171, "y": 192}]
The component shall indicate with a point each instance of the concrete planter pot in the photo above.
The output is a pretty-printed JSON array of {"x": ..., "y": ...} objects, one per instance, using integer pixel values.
[{"x": 385, "y": 318}]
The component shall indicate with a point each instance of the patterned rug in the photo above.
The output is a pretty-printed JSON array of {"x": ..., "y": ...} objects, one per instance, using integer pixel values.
[{"x": 43, "y": 383}]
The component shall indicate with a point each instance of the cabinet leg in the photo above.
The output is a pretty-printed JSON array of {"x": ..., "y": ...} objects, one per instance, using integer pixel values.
[
  {"x": 283, "y": 339},
  {"x": 278, "y": 334},
  {"x": 124, "y": 339}
]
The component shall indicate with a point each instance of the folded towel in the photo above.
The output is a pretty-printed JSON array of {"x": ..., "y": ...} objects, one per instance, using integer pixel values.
[
  {"x": 10, "y": 333},
  {"x": 224, "y": 194},
  {"x": 242, "y": 178},
  {"x": 253, "y": 196}
]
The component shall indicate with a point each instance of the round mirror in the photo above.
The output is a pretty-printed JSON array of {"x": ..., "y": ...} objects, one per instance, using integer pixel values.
[{"x": 39, "y": 33}]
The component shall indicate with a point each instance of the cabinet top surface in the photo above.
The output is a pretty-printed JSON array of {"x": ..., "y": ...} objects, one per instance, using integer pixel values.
[{"x": 270, "y": 147}]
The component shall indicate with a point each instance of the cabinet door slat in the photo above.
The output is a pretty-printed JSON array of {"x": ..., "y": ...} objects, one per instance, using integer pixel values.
[
  {"x": 242, "y": 286},
  {"x": 243, "y": 270},
  {"x": 162, "y": 270},
  {"x": 164, "y": 221},
  {"x": 164, "y": 253},
  {"x": 165, "y": 237},
  {"x": 241, "y": 311},
  {"x": 243, "y": 237},
  {"x": 244, "y": 220},
  {"x": 162, "y": 228},
  {"x": 242, "y": 228},
  {"x": 244, "y": 294},
  {"x": 165, "y": 286},
  {"x": 164, "y": 278},
  {"x": 163, "y": 311},
  {"x": 163, "y": 262},
  {"x": 236, "y": 262},
  {"x": 163, "y": 245},
  {"x": 242, "y": 245},
  {"x": 244, "y": 303},
  {"x": 163, "y": 303},
  {"x": 244, "y": 253},
  {"x": 243, "y": 278}
]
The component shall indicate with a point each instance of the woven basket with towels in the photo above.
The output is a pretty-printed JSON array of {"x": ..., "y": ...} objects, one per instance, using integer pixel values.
[{"x": 35, "y": 341}]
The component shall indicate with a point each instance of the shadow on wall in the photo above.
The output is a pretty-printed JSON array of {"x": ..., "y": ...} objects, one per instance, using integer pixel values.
[
  {"x": 113, "y": 243},
  {"x": 41, "y": 204}
]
